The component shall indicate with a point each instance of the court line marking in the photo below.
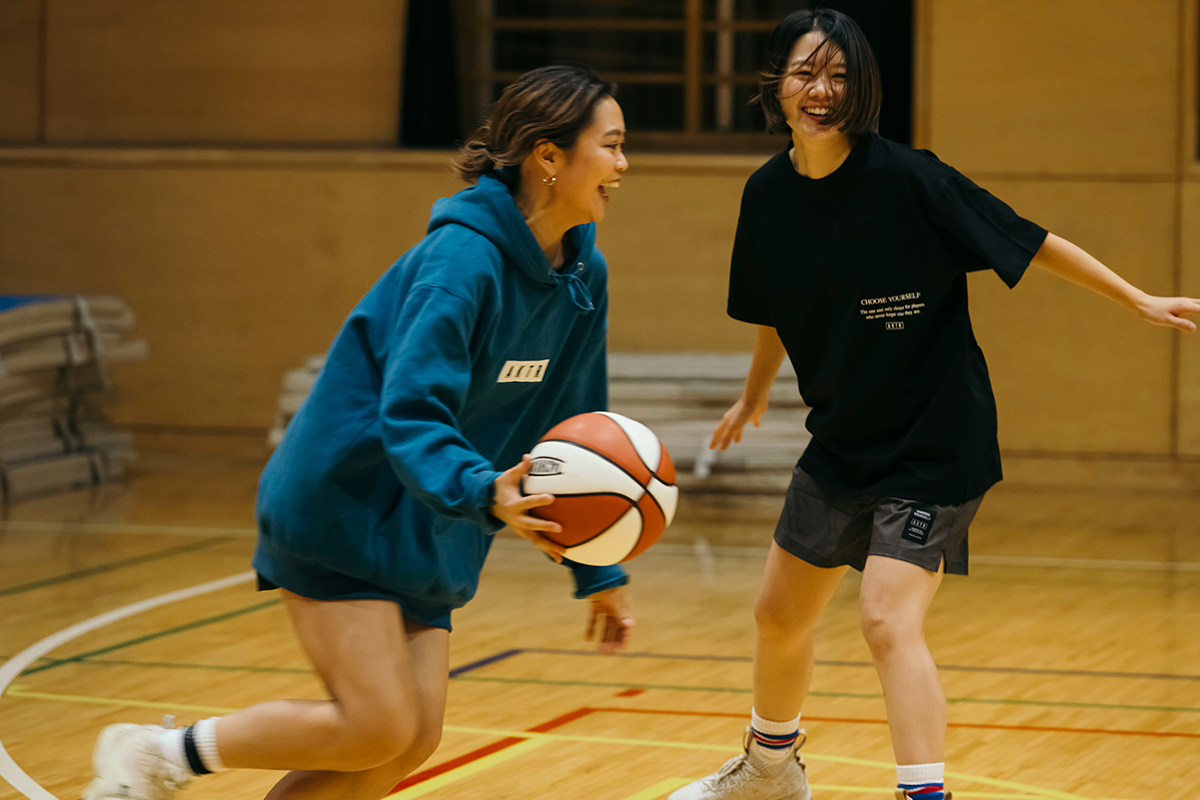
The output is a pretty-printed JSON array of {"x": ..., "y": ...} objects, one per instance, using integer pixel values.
[
  {"x": 846, "y": 695},
  {"x": 681, "y": 549},
  {"x": 544, "y": 736},
  {"x": 1038, "y": 791},
  {"x": 660, "y": 789},
  {"x": 467, "y": 770},
  {"x": 9, "y": 770},
  {"x": 35, "y": 526},
  {"x": 187, "y": 626},
  {"x": 112, "y": 566},
  {"x": 1071, "y": 673}
]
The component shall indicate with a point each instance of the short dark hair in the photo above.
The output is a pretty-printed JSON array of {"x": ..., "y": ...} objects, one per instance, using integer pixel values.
[
  {"x": 857, "y": 111},
  {"x": 555, "y": 103}
]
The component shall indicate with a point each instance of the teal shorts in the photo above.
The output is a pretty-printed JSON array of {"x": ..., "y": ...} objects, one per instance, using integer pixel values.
[{"x": 316, "y": 582}]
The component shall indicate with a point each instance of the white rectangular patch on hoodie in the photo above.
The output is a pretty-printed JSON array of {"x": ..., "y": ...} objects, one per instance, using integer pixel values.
[{"x": 523, "y": 371}]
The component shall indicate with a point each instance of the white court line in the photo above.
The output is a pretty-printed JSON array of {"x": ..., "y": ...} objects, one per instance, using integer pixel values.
[
  {"x": 9, "y": 770},
  {"x": 666, "y": 548},
  {"x": 35, "y": 526}
]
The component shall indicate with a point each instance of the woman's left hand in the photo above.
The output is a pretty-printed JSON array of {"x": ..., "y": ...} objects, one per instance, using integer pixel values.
[
  {"x": 610, "y": 620},
  {"x": 1169, "y": 311}
]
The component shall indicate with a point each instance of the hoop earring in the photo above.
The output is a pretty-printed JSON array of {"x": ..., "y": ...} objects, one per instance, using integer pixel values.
[{"x": 549, "y": 180}]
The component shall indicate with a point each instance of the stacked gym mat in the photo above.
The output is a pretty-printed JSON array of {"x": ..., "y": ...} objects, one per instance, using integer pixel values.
[
  {"x": 681, "y": 397},
  {"x": 54, "y": 435}
]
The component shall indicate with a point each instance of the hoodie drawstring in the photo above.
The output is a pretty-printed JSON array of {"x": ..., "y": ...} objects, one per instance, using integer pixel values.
[{"x": 578, "y": 290}]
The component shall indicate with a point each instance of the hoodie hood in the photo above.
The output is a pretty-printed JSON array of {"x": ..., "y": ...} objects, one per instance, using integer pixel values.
[{"x": 488, "y": 208}]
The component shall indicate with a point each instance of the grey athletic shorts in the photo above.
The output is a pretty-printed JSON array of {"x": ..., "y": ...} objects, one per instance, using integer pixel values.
[{"x": 833, "y": 530}]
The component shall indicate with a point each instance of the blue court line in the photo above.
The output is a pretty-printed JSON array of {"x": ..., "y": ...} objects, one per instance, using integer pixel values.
[{"x": 1062, "y": 673}]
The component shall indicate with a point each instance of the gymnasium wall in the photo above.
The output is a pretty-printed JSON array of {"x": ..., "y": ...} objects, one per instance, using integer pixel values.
[{"x": 226, "y": 166}]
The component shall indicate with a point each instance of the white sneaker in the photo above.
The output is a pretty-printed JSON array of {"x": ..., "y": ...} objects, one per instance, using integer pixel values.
[
  {"x": 745, "y": 778},
  {"x": 129, "y": 765}
]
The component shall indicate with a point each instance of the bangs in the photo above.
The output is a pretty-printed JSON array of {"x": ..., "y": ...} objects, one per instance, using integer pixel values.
[{"x": 856, "y": 110}]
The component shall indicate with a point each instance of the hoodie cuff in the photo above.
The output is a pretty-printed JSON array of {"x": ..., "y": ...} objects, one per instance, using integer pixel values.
[
  {"x": 482, "y": 497},
  {"x": 589, "y": 579}
]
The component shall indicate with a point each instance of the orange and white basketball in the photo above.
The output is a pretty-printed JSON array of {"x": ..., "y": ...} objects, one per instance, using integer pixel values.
[{"x": 613, "y": 482}]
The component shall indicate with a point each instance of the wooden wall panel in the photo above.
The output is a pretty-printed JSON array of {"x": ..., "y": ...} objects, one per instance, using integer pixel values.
[
  {"x": 1189, "y": 345},
  {"x": 224, "y": 71},
  {"x": 1080, "y": 86},
  {"x": 239, "y": 272},
  {"x": 236, "y": 275},
  {"x": 1072, "y": 371},
  {"x": 668, "y": 239},
  {"x": 20, "y": 70}
]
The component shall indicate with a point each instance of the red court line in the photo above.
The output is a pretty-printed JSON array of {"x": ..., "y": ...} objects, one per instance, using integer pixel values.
[
  {"x": 487, "y": 750},
  {"x": 580, "y": 713},
  {"x": 856, "y": 720},
  {"x": 455, "y": 763}
]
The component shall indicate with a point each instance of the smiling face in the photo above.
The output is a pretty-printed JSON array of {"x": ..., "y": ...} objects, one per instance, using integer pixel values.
[
  {"x": 813, "y": 86},
  {"x": 592, "y": 166}
]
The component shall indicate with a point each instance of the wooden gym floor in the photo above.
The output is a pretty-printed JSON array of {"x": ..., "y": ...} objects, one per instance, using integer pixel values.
[{"x": 1070, "y": 657}]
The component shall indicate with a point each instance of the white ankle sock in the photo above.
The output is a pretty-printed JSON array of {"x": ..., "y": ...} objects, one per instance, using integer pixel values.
[
  {"x": 923, "y": 780},
  {"x": 172, "y": 744},
  {"x": 205, "y": 735},
  {"x": 771, "y": 740}
]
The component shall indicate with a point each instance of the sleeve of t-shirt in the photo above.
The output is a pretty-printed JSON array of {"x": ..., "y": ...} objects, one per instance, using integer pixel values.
[
  {"x": 995, "y": 236},
  {"x": 747, "y": 292}
]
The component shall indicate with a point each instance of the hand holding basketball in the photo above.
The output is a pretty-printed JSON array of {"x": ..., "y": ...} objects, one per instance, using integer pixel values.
[
  {"x": 511, "y": 507},
  {"x": 730, "y": 429},
  {"x": 610, "y": 620}
]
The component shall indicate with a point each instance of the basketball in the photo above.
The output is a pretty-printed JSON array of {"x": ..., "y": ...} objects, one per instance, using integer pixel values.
[{"x": 613, "y": 483}]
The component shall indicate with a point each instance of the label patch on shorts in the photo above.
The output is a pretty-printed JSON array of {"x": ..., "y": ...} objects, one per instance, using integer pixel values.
[{"x": 920, "y": 522}]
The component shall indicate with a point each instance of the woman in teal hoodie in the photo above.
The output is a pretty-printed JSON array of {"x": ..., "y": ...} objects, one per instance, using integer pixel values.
[{"x": 378, "y": 507}]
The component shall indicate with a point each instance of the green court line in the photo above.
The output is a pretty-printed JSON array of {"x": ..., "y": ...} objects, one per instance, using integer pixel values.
[
  {"x": 190, "y": 626},
  {"x": 217, "y": 667},
  {"x": 113, "y": 566},
  {"x": 546, "y": 682}
]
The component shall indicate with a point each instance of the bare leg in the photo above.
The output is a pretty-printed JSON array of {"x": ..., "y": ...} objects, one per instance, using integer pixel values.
[
  {"x": 793, "y": 595},
  {"x": 429, "y": 656},
  {"x": 895, "y": 597},
  {"x": 360, "y": 650}
]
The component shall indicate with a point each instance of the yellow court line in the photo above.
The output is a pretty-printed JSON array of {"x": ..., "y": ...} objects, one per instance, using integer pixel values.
[
  {"x": 540, "y": 738},
  {"x": 467, "y": 770},
  {"x": 25, "y": 694},
  {"x": 660, "y": 789}
]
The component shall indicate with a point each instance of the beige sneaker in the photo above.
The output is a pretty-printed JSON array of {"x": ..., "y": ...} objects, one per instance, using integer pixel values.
[
  {"x": 744, "y": 778},
  {"x": 129, "y": 765}
]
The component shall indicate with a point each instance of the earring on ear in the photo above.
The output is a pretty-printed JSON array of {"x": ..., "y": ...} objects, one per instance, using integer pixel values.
[{"x": 549, "y": 180}]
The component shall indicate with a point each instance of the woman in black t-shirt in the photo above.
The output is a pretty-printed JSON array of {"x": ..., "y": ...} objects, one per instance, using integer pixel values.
[{"x": 851, "y": 258}]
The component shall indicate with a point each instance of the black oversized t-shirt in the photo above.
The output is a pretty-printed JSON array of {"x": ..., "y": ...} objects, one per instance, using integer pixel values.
[{"x": 863, "y": 275}]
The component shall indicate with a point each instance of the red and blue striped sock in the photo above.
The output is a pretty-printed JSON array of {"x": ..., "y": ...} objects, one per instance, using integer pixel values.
[
  {"x": 921, "y": 781},
  {"x": 771, "y": 740}
]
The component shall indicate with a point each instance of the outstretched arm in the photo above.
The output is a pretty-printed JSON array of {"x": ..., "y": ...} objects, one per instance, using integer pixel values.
[
  {"x": 1071, "y": 262},
  {"x": 768, "y": 356}
]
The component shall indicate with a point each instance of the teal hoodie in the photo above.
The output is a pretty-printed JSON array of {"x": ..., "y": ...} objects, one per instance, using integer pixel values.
[{"x": 462, "y": 355}]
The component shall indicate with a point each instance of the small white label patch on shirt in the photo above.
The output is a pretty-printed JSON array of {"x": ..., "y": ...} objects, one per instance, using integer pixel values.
[{"x": 523, "y": 371}]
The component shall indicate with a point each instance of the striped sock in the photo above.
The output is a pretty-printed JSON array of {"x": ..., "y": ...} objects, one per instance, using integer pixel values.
[
  {"x": 923, "y": 781},
  {"x": 770, "y": 740}
]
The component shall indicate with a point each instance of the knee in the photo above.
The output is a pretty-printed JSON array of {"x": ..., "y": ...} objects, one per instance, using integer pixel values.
[
  {"x": 378, "y": 742},
  {"x": 426, "y": 742},
  {"x": 777, "y": 620},
  {"x": 884, "y": 630}
]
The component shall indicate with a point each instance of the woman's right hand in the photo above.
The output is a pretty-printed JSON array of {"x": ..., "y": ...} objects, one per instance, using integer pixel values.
[
  {"x": 730, "y": 429},
  {"x": 510, "y": 507}
]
